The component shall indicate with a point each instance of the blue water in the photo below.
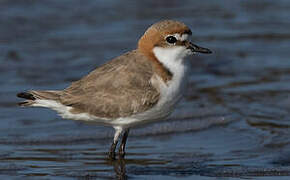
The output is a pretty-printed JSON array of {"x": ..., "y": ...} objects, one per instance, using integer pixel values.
[{"x": 233, "y": 122}]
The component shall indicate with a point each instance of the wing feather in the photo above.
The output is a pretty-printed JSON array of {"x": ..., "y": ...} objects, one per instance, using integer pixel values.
[{"x": 119, "y": 88}]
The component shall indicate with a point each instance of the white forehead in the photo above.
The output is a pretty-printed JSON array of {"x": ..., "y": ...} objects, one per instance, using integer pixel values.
[{"x": 180, "y": 37}]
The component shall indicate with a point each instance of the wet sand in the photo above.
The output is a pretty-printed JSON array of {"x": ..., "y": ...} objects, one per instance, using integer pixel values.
[{"x": 233, "y": 122}]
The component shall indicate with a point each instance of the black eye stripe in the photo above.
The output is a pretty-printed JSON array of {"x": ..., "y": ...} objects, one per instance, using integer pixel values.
[{"x": 171, "y": 39}]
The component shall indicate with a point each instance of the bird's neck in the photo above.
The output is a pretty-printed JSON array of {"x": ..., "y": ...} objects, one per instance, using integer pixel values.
[
  {"x": 171, "y": 60},
  {"x": 162, "y": 71}
]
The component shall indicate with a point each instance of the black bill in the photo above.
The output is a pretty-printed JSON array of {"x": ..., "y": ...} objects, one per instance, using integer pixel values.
[{"x": 198, "y": 49}]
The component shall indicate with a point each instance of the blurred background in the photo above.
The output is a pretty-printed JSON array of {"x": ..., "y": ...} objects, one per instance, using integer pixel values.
[{"x": 233, "y": 122}]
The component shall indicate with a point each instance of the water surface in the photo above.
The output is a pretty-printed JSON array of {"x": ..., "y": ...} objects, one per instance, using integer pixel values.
[{"x": 233, "y": 122}]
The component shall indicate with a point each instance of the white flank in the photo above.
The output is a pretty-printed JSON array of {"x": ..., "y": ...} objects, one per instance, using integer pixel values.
[{"x": 64, "y": 111}]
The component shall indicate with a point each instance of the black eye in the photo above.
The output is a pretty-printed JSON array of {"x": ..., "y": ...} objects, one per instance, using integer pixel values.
[{"x": 171, "y": 39}]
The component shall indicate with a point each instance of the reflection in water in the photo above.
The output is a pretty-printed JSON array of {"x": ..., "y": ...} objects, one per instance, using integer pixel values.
[{"x": 120, "y": 169}]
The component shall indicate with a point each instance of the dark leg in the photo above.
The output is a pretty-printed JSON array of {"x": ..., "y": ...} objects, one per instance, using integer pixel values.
[
  {"x": 112, "y": 150},
  {"x": 115, "y": 142},
  {"x": 123, "y": 144}
]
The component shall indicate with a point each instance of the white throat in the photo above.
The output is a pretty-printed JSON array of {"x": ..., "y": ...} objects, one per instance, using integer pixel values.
[{"x": 172, "y": 59}]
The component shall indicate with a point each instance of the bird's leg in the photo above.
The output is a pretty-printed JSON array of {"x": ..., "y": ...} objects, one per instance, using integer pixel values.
[
  {"x": 112, "y": 150},
  {"x": 118, "y": 131},
  {"x": 123, "y": 144}
]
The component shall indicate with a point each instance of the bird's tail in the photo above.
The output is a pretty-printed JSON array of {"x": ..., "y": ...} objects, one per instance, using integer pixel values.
[{"x": 32, "y": 96}]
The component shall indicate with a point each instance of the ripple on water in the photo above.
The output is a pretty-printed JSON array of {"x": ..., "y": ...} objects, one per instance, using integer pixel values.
[{"x": 233, "y": 122}]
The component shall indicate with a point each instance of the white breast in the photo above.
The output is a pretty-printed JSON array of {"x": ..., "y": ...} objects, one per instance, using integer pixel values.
[{"x": 170, "y": 92}]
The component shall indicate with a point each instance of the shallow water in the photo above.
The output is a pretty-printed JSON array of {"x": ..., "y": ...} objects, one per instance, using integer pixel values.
[{"x": 233, "y": 123}]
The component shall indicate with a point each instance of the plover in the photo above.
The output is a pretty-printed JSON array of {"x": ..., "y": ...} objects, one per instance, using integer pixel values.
[{"x": 136, "y": 88}]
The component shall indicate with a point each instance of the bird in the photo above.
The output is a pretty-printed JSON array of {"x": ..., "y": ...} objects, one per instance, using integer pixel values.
[{"x": 139, "y": 87}]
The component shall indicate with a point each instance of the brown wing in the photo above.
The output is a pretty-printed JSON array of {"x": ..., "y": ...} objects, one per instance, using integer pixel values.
[{"x": 119, "y": 88}]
